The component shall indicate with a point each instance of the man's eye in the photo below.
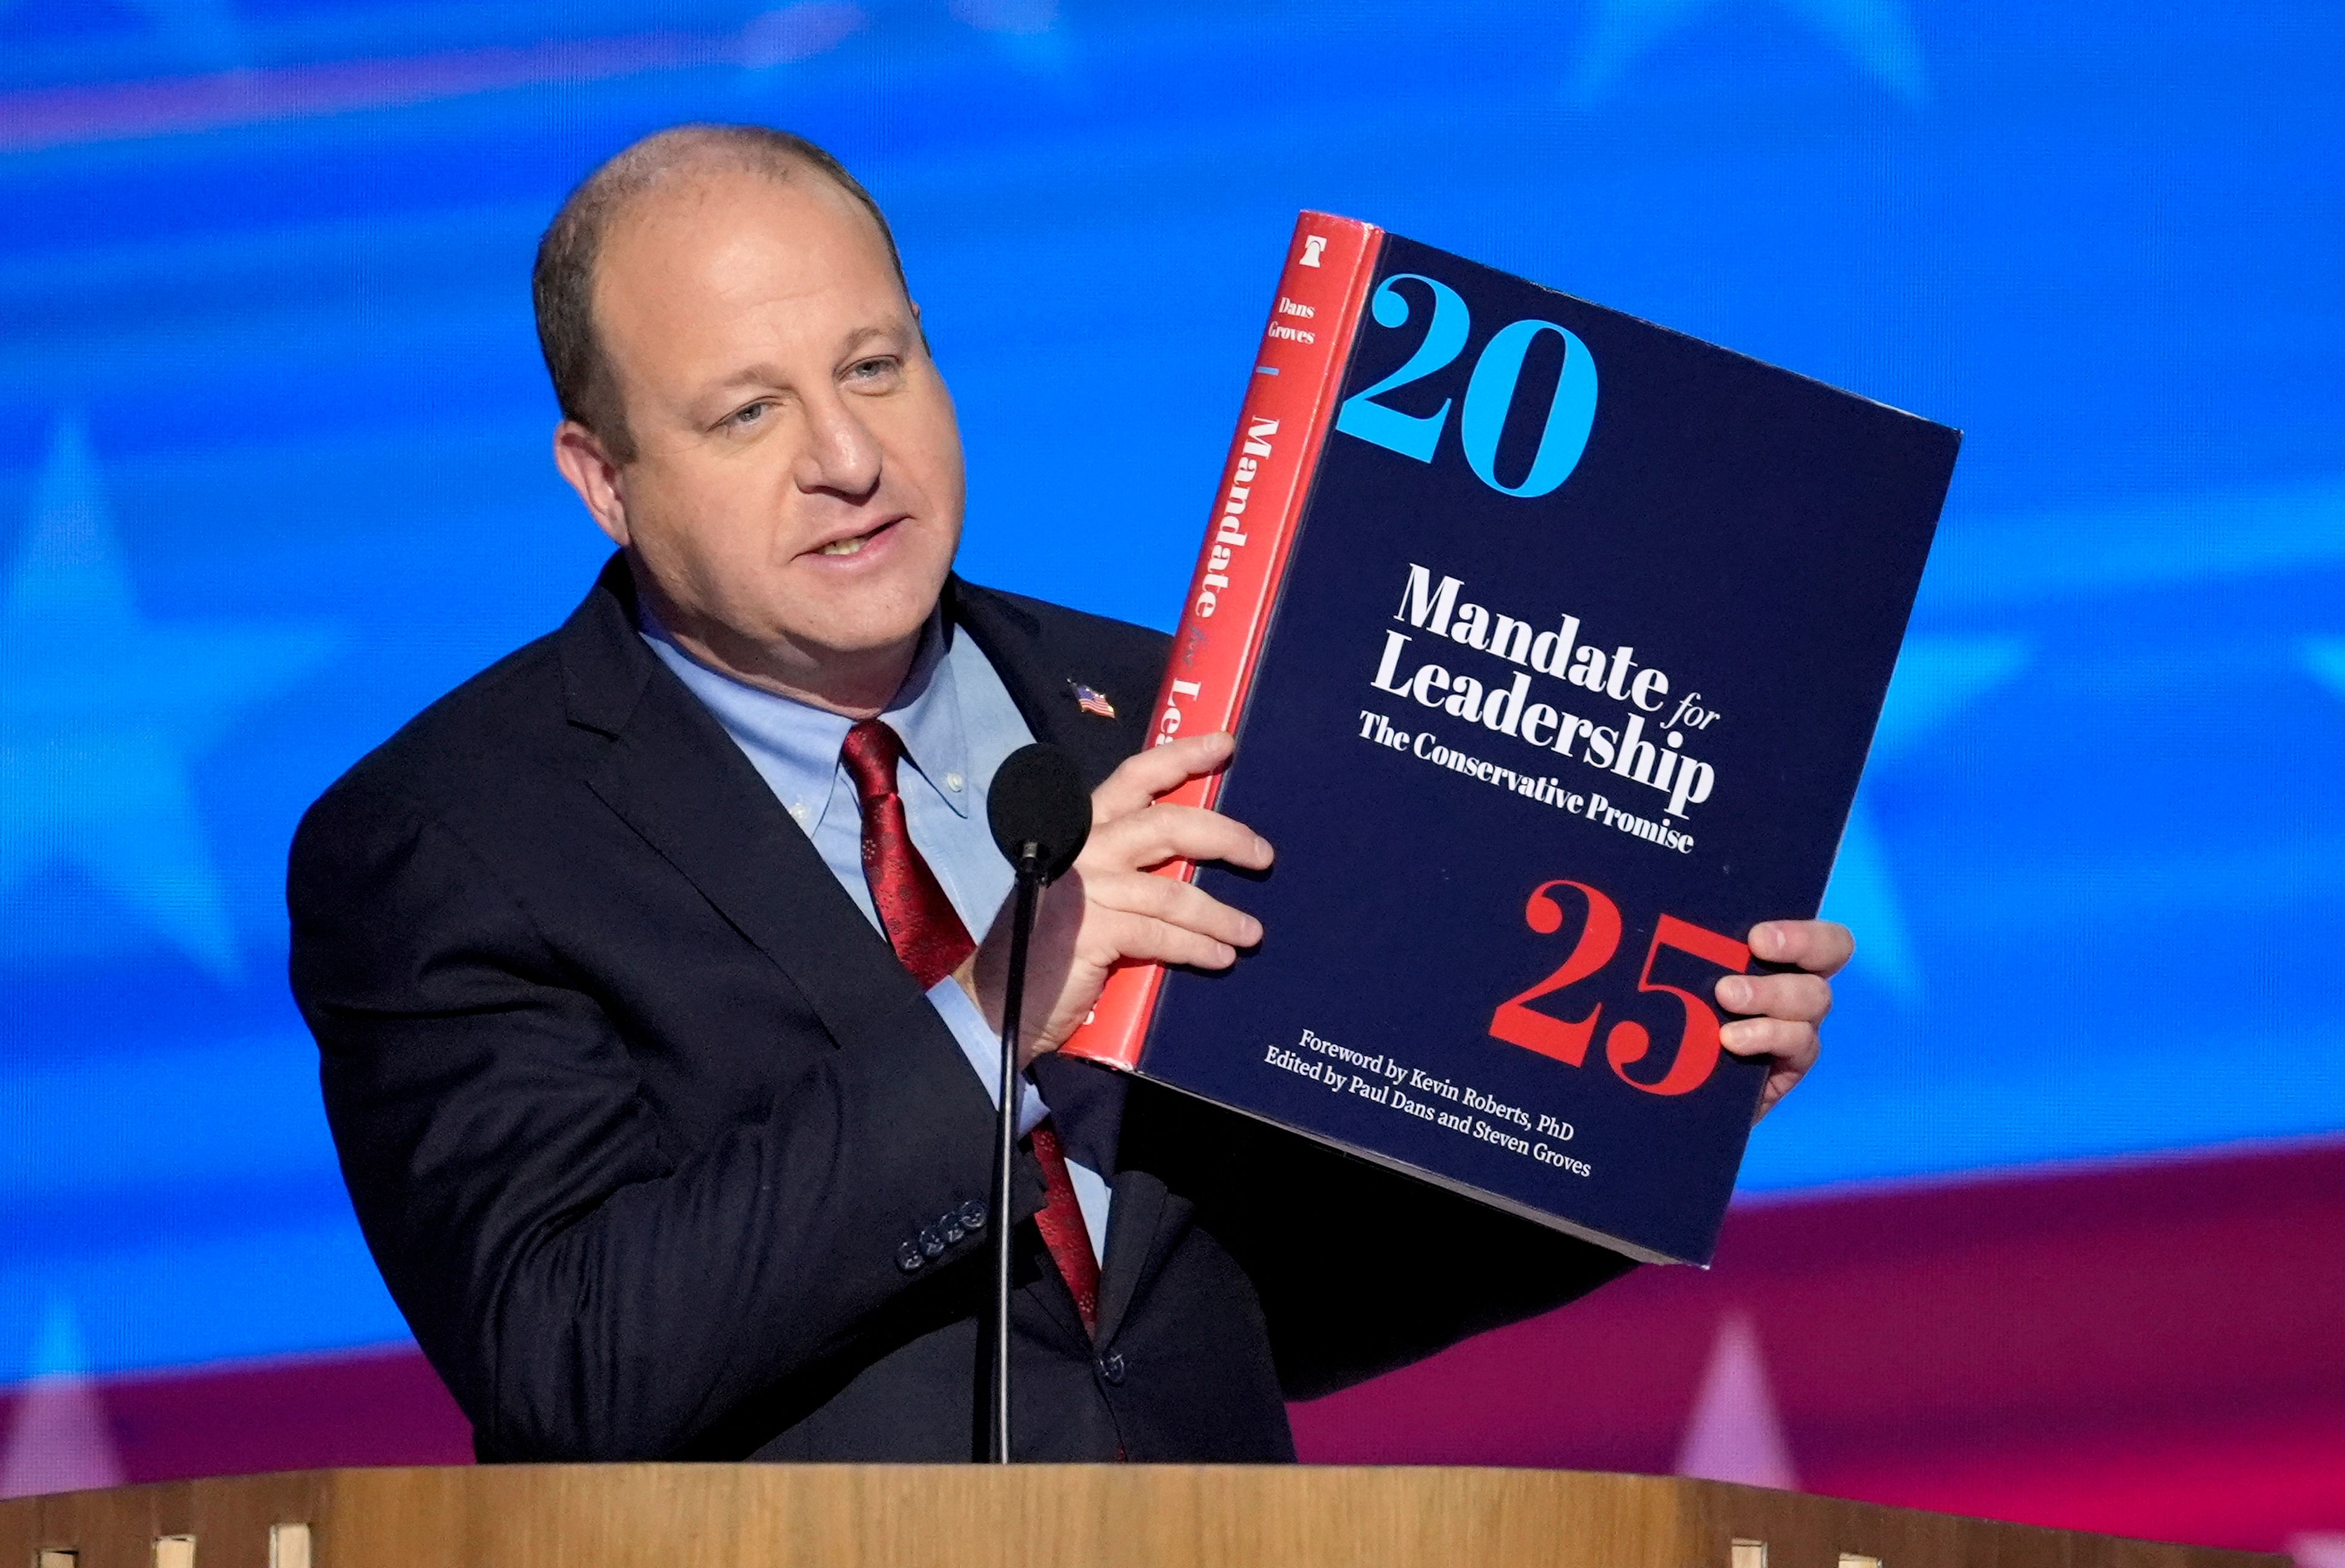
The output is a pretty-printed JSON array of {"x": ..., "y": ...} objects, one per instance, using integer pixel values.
[
  {"x": 872, "y": 369},
  {"x": 748, "y": 415}
]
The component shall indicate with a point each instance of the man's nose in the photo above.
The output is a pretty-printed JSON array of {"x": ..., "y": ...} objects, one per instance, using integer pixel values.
[{"x": 841, "y": 454}]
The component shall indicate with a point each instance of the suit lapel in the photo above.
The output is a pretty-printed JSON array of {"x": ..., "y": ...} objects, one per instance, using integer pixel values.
[
  {"x": 672, "y": 775},
  {"x": 1135, "y": 1229},
  {"x": 676, "y": 778},
  {"x": 1042, "y": 676}
]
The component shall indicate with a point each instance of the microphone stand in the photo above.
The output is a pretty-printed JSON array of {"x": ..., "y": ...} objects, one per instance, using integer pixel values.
[
  {"x": 1039, "y": 812},
  {"x": 1030, "y": 869}
]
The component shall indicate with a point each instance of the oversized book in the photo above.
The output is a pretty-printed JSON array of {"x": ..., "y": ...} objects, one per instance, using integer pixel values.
[{"x": 1554, "y": 642}]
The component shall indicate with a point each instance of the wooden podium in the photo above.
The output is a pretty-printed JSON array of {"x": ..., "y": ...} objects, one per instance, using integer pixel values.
[{"x": 1022, "y": 1516}]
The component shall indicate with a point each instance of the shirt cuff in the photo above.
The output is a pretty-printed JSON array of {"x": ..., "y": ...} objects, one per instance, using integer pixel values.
[{"x": 982, "y": 1046}]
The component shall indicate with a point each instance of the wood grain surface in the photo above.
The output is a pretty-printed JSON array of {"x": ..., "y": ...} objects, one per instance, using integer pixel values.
[{"x": 1028, "y": 1516}]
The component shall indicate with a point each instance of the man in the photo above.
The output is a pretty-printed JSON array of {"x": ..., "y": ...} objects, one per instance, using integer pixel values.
[{"x": 646, "y": 967}]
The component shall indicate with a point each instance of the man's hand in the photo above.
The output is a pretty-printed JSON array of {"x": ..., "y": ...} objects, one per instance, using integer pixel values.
[
  {"x": 1109, "y": 910},
  {"x": 1787, "y": 1009}
]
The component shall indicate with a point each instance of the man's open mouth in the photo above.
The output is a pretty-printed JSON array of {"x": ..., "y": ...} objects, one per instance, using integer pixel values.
[{"x": 854, "y": 545}]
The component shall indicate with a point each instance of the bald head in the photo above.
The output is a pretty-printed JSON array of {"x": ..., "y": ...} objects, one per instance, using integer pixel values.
[{"x": 667, "y": 161}]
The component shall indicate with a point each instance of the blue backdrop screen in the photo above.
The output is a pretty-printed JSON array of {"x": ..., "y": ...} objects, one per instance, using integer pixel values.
[{"x": 274, "y": 473}]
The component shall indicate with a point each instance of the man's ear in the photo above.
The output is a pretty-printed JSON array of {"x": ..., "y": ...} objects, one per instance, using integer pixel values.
[{"x": 587, "y": 464}]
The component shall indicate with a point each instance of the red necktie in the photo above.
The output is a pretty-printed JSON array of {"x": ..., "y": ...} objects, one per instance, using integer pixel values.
[
  {"x": 931, "y": 941},
  {"x": 921, "y": 925},
  {"x": 1062, "y": 1224}
]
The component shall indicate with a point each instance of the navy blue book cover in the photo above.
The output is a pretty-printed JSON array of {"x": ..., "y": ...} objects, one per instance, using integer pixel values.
[{"x": 1571, "y": 674}]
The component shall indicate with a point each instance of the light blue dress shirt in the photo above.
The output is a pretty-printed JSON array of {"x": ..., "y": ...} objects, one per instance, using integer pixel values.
[{"x": 958, "y": 724}]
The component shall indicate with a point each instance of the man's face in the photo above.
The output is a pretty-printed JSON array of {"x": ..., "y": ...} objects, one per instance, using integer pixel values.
[{"x": 797, "y": 491}]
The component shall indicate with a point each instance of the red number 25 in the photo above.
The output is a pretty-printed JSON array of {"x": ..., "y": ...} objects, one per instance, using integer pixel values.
[{"x": 1567, "y": 1040}]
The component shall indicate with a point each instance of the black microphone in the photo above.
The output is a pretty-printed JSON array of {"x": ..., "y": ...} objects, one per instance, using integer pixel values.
[{"x": 1040, "y": 814}]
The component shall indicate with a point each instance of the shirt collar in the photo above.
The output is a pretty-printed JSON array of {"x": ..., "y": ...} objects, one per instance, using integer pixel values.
[
  {"x": 926, "y": 713},
  {"x": 796, "y": 745}
]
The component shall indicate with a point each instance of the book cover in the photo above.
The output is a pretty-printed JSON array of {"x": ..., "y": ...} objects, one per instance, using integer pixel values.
[{"x": 1554, "y": 642}]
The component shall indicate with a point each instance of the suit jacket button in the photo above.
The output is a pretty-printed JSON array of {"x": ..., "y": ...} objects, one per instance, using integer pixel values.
[
  {"x": 909, "y": 1259},
  {"x": 952, "y": 1226},
  {"x": 933, "y": 1243},
  {"x": 1111, "y": 1367},
  {"x": 972, "y": 1214}
]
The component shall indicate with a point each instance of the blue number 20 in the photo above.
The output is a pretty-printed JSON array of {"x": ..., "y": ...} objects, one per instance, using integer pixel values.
[
  {"x": 1408, "y": 434},
  {"x": 1569, "y": 416},
  {"x": 1490, "y": 393}
]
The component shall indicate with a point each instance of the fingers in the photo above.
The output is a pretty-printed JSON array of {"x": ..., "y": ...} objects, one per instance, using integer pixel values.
[
  {"x": 1804, "y": 998},
  {"x": 1792, "y": 1043},
  {"x": 1788, "y": 1006},
  {"x": 1142, "y": 777},
  {"x": 1792, "y": 1046},
  {"x": 1171, "y": 903},
  {"x": 1778, "y": 1084},
  {"x": 1819, "y": 946},
  {"x": 1163, "y": 832},
  {"x": 1132, "y": 917},
  {"x": 1135, "y": 939}
]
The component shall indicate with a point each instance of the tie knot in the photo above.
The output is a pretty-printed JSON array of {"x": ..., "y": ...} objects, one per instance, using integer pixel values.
[{"x": 871, "y": 753}]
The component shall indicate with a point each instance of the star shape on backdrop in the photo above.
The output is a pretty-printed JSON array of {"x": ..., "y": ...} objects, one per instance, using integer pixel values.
[
  {"x": 1877, "y": 37},
  {"x": 1936, "y": 679},
  {"x": 1735, "y": 1432},
  {"x": 791, "y": 34},
  {"x": 2325, "y": 657},
  {"x": 204, "y": 34},
  {"x": 102, "y": 710},
  {"x": 1030, "y": 34},
  {"x": 1028, "y": 31},
  {"x": 59, "y": 1439}
]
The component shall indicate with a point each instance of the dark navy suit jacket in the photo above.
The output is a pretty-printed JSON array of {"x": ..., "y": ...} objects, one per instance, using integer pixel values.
[{"x": 638, "y": 1112}]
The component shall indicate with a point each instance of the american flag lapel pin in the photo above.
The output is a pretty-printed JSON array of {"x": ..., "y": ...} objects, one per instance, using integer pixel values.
[{"x": 1092, "y": 701}]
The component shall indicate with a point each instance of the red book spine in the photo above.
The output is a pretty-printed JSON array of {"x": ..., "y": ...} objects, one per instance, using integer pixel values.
[{"x": 1256, "y": 514}]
